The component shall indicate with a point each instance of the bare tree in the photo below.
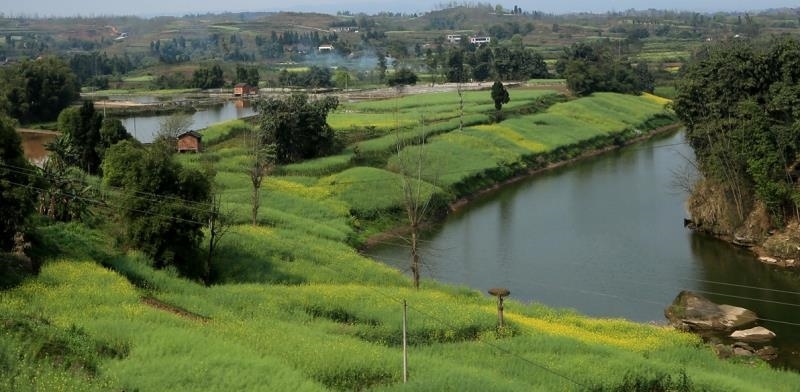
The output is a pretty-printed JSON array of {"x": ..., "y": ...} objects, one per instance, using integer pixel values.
[
  {"x": 219, "y": 223},
  {"x": 174, "y": 125},
  {"x": 460, "y": 90},
  {"x": 263, "y": 162},
  {"x": 417, "y": 195}
]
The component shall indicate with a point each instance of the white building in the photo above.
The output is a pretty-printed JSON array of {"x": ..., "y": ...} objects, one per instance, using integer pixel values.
[{"x": 480, "y": 40}]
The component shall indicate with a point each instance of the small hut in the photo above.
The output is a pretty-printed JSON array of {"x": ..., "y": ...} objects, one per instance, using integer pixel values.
[
  {"x": 190, "y": 141},
  {"x": 242, "y": 89}
]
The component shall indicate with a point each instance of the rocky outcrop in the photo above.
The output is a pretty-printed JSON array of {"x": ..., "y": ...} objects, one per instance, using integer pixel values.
[
  {"x": 713, "y": 212},
  {"x": 755, "y": 335},
  {"x": 740, "y": 349},
  {"x": 692, "y": 312}
]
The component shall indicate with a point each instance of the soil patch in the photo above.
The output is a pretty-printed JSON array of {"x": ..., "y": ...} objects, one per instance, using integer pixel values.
[{"x": 161, "y": 305}]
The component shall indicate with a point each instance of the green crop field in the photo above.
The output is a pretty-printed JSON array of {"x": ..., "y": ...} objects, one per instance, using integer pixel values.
[
  {"x": 330, "y": 323},
  {"x": 296, "y": 307},
  {"x": 410, "y": 111}
]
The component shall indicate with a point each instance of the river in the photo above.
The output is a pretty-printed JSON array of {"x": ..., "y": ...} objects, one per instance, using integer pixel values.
[
  {"x": 604, "y": 236},
  {"x": 145, "y": 128}
]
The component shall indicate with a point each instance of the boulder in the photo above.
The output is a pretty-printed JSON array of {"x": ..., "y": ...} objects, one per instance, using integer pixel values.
[
  {"x": 757, "y": 334},
  {"x": 692, "y": 312},
  {"x": 768, "y": 353}
]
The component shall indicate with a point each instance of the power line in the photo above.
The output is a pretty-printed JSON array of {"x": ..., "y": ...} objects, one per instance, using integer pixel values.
[
  {"x": 649, "y": 284},
  {"x": 103, "y": 204},
  {"x": 146, "y": 196},
  {"x": 446, "y": 324}
]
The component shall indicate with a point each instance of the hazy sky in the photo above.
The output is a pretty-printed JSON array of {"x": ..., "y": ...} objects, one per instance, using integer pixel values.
[{"x": 180, "y": 7}]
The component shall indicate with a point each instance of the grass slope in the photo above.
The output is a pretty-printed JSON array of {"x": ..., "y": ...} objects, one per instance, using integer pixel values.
[{"x": 296, "y": 307}]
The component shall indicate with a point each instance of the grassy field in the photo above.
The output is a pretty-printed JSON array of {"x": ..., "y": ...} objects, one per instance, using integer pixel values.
[{"x": 296, "y": 307}]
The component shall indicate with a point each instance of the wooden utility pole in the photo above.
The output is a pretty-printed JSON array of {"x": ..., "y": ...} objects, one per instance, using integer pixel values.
[{"x": 405, "y": 344}]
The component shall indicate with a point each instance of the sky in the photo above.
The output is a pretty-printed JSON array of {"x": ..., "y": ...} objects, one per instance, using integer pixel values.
[{"x": 43, "y": 8}]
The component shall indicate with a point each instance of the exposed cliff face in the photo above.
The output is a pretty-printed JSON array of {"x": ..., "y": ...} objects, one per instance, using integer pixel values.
[{"x": 713, "y": 211}]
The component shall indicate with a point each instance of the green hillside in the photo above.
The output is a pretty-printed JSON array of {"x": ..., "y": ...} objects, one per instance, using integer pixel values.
[{"x": 296, "y": 307}]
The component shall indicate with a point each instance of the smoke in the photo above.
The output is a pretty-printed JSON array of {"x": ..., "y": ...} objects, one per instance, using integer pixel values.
[{"x": 365, "y": 61}]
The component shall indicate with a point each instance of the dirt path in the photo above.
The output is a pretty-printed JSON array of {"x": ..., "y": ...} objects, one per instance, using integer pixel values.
[{"x": 161, "y": 305}]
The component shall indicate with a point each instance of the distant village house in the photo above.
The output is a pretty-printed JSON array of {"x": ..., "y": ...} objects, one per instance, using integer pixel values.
[
  {"x": 453, "y": 38},
  {"x": 476, "y": 40},
  {"x": 244, "y": 89},
  {"x": 190, "y": 141},
  {"x": 325, "y": 48}
]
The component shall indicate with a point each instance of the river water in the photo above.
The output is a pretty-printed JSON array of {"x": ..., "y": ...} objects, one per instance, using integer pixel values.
[
  {"x": 604, "y": 236},
  {"x": 145, "y": 128}
]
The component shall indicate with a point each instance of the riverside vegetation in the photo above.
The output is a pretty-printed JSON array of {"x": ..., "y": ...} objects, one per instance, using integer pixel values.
[{"x": 294, "y": 306}]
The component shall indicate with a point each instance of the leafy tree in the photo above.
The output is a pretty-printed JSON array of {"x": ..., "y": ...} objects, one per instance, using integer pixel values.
[
  {"x": 16, "y": 201},
  {"x": 80, "y": 128},
  {"x": 297, "y": 126},
  {"x": 164, "y": 206},
  {"x": 318, "y": 77},
  {"x": 403, "y": 77},
  {"x": 37, "y": 90},
  {"x": 65, "y": 194},
  {"x": 111, "y": 132},
  {"x": 247, "y": 75},
  {"x": 315, "y": 77},
  {"x": 342, "y": 78},
  {"x": 85, "y": 137},
  {"x": 432, "y": 63},
  {"x": 739, "y": 102},
  {"x": 207, "y": 78},
  {"x": 381, "y": 66},
  {"x": 590, "y": 68},
  {"x": 500, "y": 98},
  {"x": 455, "y": 66}
]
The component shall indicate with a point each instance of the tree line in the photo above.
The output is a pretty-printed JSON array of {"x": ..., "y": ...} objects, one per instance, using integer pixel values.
[{"x": 739, "y": 101}]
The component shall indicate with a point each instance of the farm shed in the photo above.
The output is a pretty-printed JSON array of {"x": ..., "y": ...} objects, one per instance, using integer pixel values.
[
  {"x": 190, "y": 141},
  {"x": 241, "y": 89}
]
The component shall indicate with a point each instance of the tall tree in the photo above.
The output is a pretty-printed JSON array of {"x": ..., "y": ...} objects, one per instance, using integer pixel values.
[
  {"x": 298, "y": 127},
  {"x": 164, "y": 206},
  {"x": 589, "y": 68},
  {"x": 16, "y": 201},
  {"x": 402, "y": 77},
  {"x": 80, "y": 128},
  {"x": 207, "y": 78},
  {"x": 263, "y": 162},
  {"x": 37, "y": 90},
  {"x": 739, "y": 102},
  {"x": 414, "y": 166},
  {"x": 500, "y": 97},
  {"x": 65, "y": 194}
]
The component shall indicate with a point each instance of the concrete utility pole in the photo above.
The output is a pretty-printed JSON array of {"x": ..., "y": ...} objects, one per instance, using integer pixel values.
[{"x": 499, "y": 292}]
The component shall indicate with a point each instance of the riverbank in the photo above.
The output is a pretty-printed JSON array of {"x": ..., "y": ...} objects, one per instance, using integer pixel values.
[
  {"x": 464, "y": 200},
  {"x": 461, "y": 202}
]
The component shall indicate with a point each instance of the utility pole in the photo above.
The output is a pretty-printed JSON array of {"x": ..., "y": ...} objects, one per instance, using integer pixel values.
[
  {"x": 405, "y": 344},
  {"x": 499, "y": 292}
]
